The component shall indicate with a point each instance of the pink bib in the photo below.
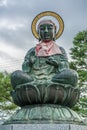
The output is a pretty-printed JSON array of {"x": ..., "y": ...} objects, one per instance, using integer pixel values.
[{"x": 47, "y": 49}]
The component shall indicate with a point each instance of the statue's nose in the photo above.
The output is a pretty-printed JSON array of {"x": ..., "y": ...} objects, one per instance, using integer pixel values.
[{"x": 46, "y": 29}]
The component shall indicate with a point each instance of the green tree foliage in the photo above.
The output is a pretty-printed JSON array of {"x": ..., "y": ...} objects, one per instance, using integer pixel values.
[
  {"x": 6, "y": 103},
  {"x": 79, "y": 63}
]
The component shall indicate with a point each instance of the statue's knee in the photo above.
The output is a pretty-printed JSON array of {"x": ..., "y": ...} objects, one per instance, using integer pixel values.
[
  {"x": 18, "y": 77},
  {"x": 69, "y": 73},
  {"x": 67, "y": 76},
  {"x": 16, "y": 73},
  {"x": 74, "y": 74},
  {"x": 14, "y": 77},
  {"x": 71, "y": 76}
]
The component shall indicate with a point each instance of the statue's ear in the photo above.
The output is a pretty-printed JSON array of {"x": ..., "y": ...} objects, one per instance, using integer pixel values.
[
  {"x": 54, "y": 34},
  {"x": 55, "y": 30},
  {"x": 53, "y": 39},
  {"x": 39, "y": 38},
  {"x": 38, "y": 31}
]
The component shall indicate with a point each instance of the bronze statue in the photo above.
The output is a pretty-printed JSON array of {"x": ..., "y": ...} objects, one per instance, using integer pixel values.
[
  {"x": 45, "y": 70},
  {"x": 46, "y": 88},
  {"x": 46, "y": 62}
]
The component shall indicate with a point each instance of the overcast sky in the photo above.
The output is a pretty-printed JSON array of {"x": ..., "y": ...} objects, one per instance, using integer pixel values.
[{"x": 16, "y": 17}]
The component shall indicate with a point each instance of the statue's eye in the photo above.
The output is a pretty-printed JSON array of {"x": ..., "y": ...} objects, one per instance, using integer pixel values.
[
  {"x": 50, "y": 27},
  {"x": 41, "y": 28}
]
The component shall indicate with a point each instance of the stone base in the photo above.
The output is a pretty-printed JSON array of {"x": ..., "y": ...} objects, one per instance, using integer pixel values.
[
  {"x": 43, "y": 127},
  {"x": 44, "y": 117},
  {"x": 45, "y": 114}
]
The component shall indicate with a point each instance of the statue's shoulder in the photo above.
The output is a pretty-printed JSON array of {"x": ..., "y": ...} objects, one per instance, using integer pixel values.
[
  {"x": 63, "y": 52},
  {"x": 31, "y": 51},
  {"x": 62, "y": 49}
]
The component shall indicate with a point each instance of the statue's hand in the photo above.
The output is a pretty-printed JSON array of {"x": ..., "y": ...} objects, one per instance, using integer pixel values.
[{"x": 52, "y": 61}]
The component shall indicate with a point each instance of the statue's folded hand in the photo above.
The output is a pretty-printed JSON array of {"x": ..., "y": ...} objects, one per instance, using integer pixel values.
[{"x": 52, "y": 61}]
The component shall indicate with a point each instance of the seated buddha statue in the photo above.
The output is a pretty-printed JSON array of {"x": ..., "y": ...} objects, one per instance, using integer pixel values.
[
  {"x": 45, "y": 76},
  {"x": 45, "y": 63},
  {"x": 46, "y": 88}
]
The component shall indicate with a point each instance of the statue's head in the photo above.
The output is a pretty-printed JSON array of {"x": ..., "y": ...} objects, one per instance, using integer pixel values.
[{"x": 46, "y": 30}]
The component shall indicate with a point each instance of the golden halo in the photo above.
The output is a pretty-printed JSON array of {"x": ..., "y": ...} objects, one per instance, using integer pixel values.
[{"x": 48, "y": 13}]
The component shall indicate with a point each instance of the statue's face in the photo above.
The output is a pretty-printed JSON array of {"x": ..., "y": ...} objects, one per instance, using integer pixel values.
[{"x": 46, "y": 32}]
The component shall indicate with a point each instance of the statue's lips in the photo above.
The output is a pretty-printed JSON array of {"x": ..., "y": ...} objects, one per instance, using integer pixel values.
[{"x": 46, "y": 36}]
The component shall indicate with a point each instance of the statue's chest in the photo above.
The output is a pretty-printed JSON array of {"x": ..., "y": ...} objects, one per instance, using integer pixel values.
[{"x": 40, "y": 63}]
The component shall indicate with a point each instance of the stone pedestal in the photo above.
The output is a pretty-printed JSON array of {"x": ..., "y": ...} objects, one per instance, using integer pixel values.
[
  {"x": 43, "y": 127},
  {"x": 45, "y": 114}
]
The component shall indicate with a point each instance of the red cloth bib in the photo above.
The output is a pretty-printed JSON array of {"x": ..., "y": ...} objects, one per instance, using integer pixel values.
[{"x": 47, "y": 49}]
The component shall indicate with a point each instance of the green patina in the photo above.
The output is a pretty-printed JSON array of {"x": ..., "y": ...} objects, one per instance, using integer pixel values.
[{"x": 45, "y": 85}]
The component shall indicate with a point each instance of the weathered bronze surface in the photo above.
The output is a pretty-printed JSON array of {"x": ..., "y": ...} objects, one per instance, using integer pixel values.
[
  {"x": 46, "y": 83},
  {"x": 43, "y": 114},
  {"x": 45, "y": 77},
  {"x": 54, "y": 93}
]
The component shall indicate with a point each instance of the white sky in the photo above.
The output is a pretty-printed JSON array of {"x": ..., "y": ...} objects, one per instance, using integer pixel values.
[{"x": 16, "y": 17}]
